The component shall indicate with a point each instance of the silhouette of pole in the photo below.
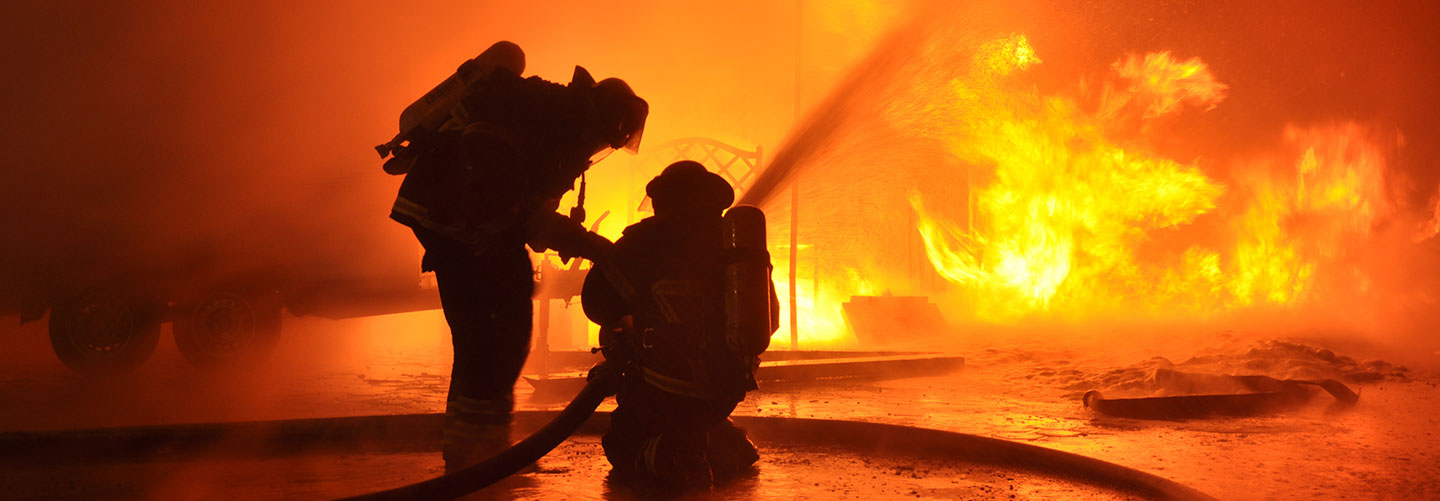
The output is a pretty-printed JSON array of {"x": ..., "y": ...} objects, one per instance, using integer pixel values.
[
  {"x": 795, "y": 188},
  {"x": 794, "y": 264}
]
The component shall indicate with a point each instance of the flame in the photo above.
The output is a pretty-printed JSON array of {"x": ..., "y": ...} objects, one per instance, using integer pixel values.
[
  {"x": 1006, "y": 55},
  {"x": 817, "y": 302},
  {"x": 1061, "y": 210},
  {"x": 1303, "y": 219},
  {"x": 1430, "y": 228},
  {"x": 1076, "y": 218},
  {"x": 1162, "y": 85}
]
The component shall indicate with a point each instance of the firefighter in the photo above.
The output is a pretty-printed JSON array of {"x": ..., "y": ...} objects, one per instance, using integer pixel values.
[
  {"x": 659, "y": 299},
  {"x": 477, "y": 190}
]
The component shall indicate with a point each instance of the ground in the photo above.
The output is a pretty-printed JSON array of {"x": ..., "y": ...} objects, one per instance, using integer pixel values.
[{"x": 1385, "y": 447}]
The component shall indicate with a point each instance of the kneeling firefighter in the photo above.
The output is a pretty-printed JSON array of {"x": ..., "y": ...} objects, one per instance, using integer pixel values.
[
  {"x": 487, "y": 155},
  {"x": 692, "y": 317}
]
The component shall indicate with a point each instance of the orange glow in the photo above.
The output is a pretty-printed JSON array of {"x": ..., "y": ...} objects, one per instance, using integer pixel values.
[
  {"x": 1302, "y": 219},
  {"x": 1430, "y": 228},
  {"x": 817, "y": 311},
  {"x": 1059, "y": 225},
  {"x": 1006, "y": 55}
]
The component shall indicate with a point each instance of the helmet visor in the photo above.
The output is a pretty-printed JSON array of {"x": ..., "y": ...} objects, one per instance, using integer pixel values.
[
  {"x": 632, "y": 125},
  {"x": 632, "y": 143}
]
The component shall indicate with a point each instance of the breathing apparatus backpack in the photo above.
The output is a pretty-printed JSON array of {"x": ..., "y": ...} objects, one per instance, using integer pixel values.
[
  {"x": 487, "y": 150},
  {"x": 425, "y": 117},
  {"x": 700, "y": 330}
]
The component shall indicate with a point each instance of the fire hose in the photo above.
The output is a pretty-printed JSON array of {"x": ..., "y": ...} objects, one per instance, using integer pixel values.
[
  {"x": 604, "y": 381},
  {"x": 1267, "y": 395}
]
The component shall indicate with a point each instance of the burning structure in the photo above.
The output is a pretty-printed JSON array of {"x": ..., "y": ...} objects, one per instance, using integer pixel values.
[{"x": 1245, "y": 189}]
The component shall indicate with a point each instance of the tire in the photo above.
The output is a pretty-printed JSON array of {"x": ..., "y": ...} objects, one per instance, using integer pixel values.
[
  {"x": 105, "y": 332},
  {"x": 228, "y": 330}
]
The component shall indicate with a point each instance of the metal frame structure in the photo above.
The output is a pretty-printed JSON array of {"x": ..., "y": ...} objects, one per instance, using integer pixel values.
[{"x": 739, "y": 167}]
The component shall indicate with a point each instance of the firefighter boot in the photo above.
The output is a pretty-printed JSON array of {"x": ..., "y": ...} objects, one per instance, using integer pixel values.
[
  {"x": 730, "y": 452},
  {"x": 474, "y": 430},
  {"x": 674, "y": 462}
]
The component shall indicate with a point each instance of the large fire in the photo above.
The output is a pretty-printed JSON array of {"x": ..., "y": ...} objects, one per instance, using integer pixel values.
[
  {"x": 1030, "y": 200},
  {"x": 1077, "y": 217}
]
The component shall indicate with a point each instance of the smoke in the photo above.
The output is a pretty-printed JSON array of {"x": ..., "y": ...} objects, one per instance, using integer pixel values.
[
  {"x": 229, "y": 138},
  {"x": 155, "y": 144}
]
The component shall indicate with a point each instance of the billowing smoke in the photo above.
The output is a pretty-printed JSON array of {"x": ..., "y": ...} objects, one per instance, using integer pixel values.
[{"x": 188, "y": 140}]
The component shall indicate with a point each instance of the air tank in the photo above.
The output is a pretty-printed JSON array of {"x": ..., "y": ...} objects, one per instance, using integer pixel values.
[
  {"x": 435, "y": 107},
  {"x": 747, "y": 280}
]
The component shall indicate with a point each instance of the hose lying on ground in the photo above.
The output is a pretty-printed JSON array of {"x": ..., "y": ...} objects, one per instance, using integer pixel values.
[
  {"x": 1269, "y": 395},
  {"x": 879, "y": 439},
  {"x": 603, "y": 383},
  {"x": 420, "y": 432}
]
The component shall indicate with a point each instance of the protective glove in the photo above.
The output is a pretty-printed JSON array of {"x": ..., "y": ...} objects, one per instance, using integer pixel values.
[{"x": 550, "y": 230}]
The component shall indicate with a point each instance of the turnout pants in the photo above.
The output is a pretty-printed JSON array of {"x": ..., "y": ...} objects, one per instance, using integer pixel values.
[
  {"x": 674, "y": 442},
  {"x": 486, "y": 300}
]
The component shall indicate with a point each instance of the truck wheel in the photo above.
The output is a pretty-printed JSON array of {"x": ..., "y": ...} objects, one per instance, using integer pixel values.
[
  {"x": 104, "y": 332},
  {"x": 225, "y": 329}
]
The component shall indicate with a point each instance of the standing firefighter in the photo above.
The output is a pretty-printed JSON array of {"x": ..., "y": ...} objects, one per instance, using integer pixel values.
[
  {"x": 487, "y": 155},
  {"x": 665, "y": 299}
]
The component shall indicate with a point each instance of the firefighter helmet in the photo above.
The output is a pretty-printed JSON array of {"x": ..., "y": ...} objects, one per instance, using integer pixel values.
[{"x": 686, "y": 184}]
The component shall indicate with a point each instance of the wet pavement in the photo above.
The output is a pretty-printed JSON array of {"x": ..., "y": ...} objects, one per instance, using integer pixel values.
[
  {"x": 1383, "y": 448},
  {"x": 575, "y": 470}
]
